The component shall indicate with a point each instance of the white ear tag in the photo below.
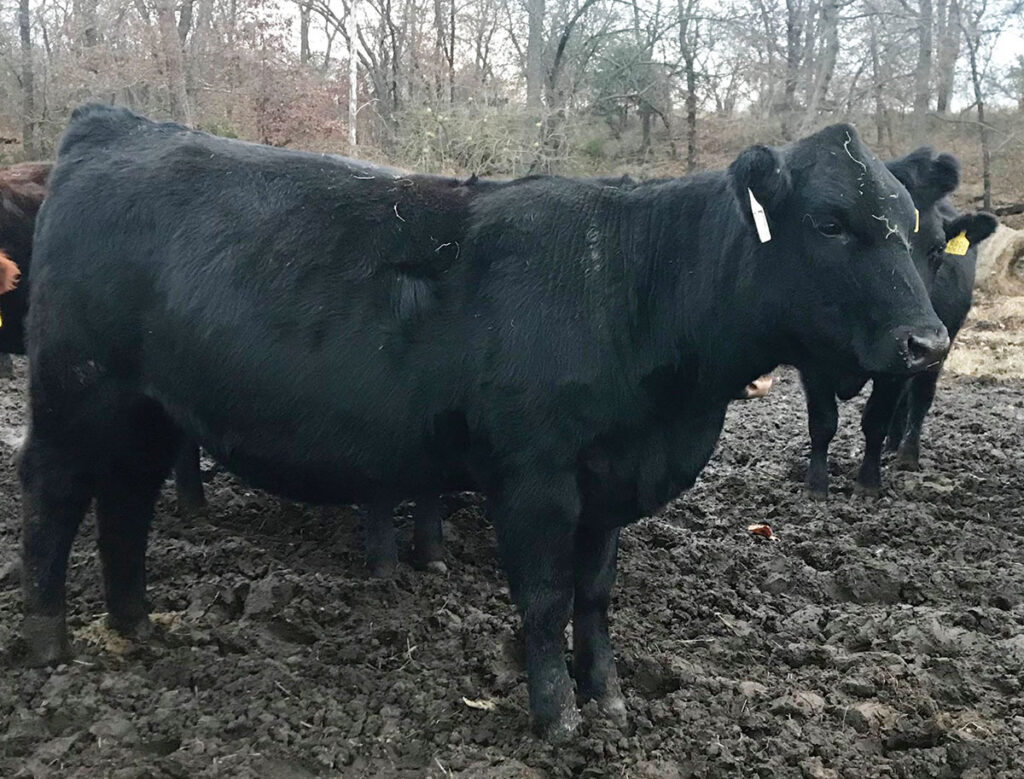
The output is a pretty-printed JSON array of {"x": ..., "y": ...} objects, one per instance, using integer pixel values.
[{"x": 760, "y": 219}]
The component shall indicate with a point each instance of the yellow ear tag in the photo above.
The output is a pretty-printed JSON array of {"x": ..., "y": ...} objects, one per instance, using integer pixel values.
[
  {"x": 917, "y": 220},
  {"x": 958, "y": 245}
]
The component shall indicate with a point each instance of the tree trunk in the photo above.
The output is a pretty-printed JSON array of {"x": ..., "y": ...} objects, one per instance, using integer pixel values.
[
  {"x": 85, "y": 10},
  {"x": 948, "y": 17},
  {"x": 439, "y": 49},
  {"x": 795, "y": 17},
  {"x": 396, "y": 57},
  {"x": 535, "y": 54},
  {"x": 353, "y": 81},
  {"x": 691, "y": 115},
  {"x": 876, "y": 85},
  {"x": 973, "y": 40},
  {"x": 688, "y": 42},
  {"x": 185, "y": 20},
  {"x": 305, "y": 9},
  {"x": 28, "y": 94},
  {"x": 827, "y": 62},
  {"x": 174, "y": 70},
  {"x": 451, "y": 51},
  {"x": 923, "y": 70},
  {"x": 645, "y": 130}
]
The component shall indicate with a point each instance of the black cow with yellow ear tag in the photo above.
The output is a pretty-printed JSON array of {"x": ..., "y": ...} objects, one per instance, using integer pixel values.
[
  {"x": 943, "y": 246},
  {"x": 952, "y": 293}
]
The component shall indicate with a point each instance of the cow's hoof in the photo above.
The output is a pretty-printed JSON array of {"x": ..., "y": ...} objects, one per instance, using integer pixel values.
[
  {"x": 134, "y": 626},
  {"x": 383, "y": 569},
  {"x": 191, "y": 507},
  {"x": 614, "y": 707},
  {"x": 866, "y": 491},
  {"x": 561, "y": 729},
  {"x": 46, "y": 641},
  {"x": 435, "y": 566},
  {"x": 817, "y": 494},
  {"x": 908, "y": 463}
]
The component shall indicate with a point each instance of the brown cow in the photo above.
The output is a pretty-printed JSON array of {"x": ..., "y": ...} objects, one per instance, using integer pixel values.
[{"x": 22, "y": 189}]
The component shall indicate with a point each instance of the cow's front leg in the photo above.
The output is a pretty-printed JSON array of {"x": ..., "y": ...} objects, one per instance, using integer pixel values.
[
  {"x": 878, "y": 411},
  {"x": 536, "y": 526},
  {"x": 822, "y": 423},
  {"x": 593, "y": 658}
]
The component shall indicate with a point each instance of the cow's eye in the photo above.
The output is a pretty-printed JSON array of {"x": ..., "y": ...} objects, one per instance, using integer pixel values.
[{"x": 830, "y": 229}]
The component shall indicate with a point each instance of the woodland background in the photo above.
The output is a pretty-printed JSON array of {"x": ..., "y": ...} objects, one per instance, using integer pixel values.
[{"x": 500, "y": 87}]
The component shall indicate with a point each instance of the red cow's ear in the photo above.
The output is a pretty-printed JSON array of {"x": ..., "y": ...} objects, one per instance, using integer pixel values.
[{"x": 9, "y": 274}]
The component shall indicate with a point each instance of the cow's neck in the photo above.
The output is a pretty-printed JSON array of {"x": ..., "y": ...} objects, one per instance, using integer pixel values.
[{"x": 696, "y": 272}]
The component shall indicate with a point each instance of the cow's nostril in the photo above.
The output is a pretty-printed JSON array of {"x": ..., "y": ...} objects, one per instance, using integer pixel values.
[{"x": 926, "y": 350}]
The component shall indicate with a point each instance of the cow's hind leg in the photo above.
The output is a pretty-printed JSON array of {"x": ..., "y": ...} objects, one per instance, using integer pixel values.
[
  {"x": 124, "y": 512},
  {"x": 427, "y": 535},
  {"x": 56, "y": 492},
  {"x": 593, "y": 656},
  {"x": 145, "y": 444}
]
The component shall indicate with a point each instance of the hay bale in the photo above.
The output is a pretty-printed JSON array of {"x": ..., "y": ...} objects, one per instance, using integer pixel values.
[{"x": 1001, "y": 262}]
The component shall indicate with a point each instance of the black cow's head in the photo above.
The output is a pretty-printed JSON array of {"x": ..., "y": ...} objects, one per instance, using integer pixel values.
[
  {"x": 930, "y": 178},
  {"x": 841, "y": 277}
]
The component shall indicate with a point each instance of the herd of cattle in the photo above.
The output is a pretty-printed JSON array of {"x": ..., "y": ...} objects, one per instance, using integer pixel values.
[{"x": 337, "y": 332}]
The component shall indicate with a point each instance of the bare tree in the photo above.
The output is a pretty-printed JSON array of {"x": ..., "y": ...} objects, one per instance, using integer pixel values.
[
  {"x": 173, "y": 59},
  {"x": 948, "y": 34},
  {"x": 353, "y": 74},
  {"x": 689, "y": 43},
  {"x": 973, "y": 33},
  {"x": 923, "y": 69},
  {"x": 534, "y": 54},
  {"x": 825, "y": 66},
  {"x": 28, "y": 91}
]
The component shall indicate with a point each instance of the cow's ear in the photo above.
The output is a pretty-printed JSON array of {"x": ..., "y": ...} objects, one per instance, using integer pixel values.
[
  {"x": 928, "y": 176},
  {"x": 760, "y": 170},
  {"x": 945, "y": 174},
  {"x": 975, "y": 227},
  {"x": 9, "y": 273}
]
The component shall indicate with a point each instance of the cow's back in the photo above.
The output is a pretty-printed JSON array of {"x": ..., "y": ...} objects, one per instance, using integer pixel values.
[{"x": 200, "y": 269}]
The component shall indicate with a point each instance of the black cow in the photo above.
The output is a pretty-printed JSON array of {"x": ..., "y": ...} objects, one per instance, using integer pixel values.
[
  {"x": 571, "y": 347},
  {"x": 22, "y": 191},
  {"x": 952, "y": 295},
  {"x": 950, "y": 280}
]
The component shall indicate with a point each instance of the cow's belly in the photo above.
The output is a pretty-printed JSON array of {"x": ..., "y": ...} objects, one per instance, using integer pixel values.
[{"x": 341, "y": 424}]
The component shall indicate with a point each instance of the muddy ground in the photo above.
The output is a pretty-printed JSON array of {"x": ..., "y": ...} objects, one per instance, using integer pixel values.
[{"x": 879, "y": 638}]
